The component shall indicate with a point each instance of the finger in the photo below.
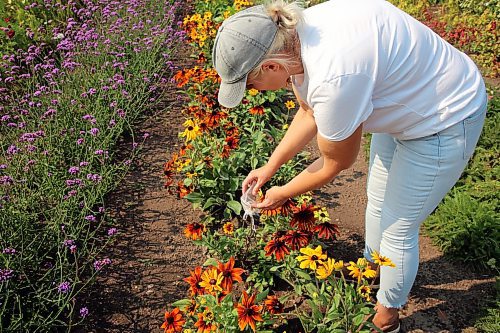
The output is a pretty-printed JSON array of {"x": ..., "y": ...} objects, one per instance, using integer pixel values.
[
  {"x": 247, "y": 182},
  {"x": 257, "y": 187}
]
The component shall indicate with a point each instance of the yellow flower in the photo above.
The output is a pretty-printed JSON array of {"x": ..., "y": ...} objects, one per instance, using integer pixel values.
[
  {"x": 285, "y": 127},
  {"x": 312, "y": 258},
  {"x": 338, "y": 266},
  {"x": 211, "y": 280},
  {"x": 191, "y": 174},
  {"x": 192, "y": 130},
  {"x": 326, "y": 269},
  {"x": 322, "y": 214},
  {"x": 361, "y": 269},
  {"x": 381, "y": 260},
  {"x": 228, "y": 228},
  {"x": 365, "y": 292},
  {"x": 289, "y": 104},
  {"x": 253, "y": 92}
]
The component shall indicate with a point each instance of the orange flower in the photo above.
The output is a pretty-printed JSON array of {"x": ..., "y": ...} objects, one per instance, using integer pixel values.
[
  {"x": 297, "y": 239},
  {"x": 273, "y": 304},
  {"x": 278, "y": 248},
  {"x": 327, "y": 230},
  {"x": 173, "y": 321},
  {"x": 230, "y": 274},
  {"x": 257, "y": 110},
  {"x": 183, "y": 190},
  {"x": 194, "y": 230},
  {"x": 194, "y": 281},
  {"x": 284, "y": 210},
  {"x": 228, "y": 228},
  {"x": 303, "y": 217},
  {"x": 203, "y": 325},
  {"x": 248, "y": 312}
]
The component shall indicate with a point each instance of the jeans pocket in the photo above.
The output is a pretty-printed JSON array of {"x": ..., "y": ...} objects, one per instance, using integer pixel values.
[{"x": 472, "y": 130}]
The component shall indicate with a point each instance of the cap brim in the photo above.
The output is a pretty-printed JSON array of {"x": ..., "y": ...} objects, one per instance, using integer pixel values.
[{"x": 231, "y": 94}]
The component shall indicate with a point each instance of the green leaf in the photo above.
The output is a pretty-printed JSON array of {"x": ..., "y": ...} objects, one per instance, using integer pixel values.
[
  {"x": 188, "y": 181},
  {"x": 235, "y": 206},
  {"x": 181, "y": 303},
  {"x": 303, "y": 274},
  {"x": 210, "y": 202},
  {"x": 210, "y": 262},
  {"x": 194, "y": 197},
  {"x": 261, "y": 296}
]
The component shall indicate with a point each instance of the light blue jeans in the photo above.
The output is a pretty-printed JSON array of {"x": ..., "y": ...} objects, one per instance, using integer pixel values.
[{"x": 407, "y": 179}]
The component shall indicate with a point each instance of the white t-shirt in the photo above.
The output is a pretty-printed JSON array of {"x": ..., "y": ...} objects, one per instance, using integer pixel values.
[{"x": 367, "y": 62}]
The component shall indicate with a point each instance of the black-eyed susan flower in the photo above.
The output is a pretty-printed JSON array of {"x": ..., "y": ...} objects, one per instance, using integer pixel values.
[
  {"x": 273, "y": 304},
  {"x": 365, "y": 292},
  {"x": 297, "y": 239},
  {"x": 248, "y": 312},
  {"x": 361, "y": 269},
  {"x": 253, "y": 92},
  {"x": 204, "y": 325},
  {"x": 228, "y": 228},
  {"x": 382, "y": 260},
  {"x": 327, "y": 230},
  {"x": 173, "y": 321},
  {"x": 257, "y": 110},
  {"x": 194, "y": 280},
  {"x": 289, "y": 104},
  {"x": 322, "y": 214},
  {"x": 192, "y": 130},
  {"x": 229, "y": 274},
  {"x": 303, "y": 217},
  {"x": 194, "y": 230},
  {"x": 277, "y": 247},
  {"x": 312, "y": 258},
  {"x": 211, "y": 280}
]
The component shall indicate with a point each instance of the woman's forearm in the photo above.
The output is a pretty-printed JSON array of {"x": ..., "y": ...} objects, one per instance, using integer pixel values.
[
  {"x": 301, "y": 131},
  {"x": 313, "y": 177}
]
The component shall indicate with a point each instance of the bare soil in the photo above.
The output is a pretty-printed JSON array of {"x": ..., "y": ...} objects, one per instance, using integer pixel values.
[{"x": 152, "y": 255}]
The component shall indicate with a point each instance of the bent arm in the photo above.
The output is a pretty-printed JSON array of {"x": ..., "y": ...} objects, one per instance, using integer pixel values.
[{"x": 336, "y": 156}]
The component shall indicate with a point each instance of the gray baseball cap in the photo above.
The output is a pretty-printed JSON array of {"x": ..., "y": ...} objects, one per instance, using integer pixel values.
[{"x": 240, "y": 45}]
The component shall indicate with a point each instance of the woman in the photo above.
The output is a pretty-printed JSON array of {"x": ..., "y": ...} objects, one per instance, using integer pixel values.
[{"x": 361, "y": 65}]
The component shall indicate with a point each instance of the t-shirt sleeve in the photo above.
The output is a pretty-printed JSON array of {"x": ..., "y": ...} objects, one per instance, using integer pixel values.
[{"x": 341, "y": 105}]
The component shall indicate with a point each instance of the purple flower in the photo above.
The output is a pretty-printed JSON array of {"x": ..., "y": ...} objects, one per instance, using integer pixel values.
[
  {"x": 99, "y": 264},
  {"x": 12, "y": 150},
  {"x": 96, "y": 178},
  {"x": 84, "y": 164},
  {"x": 112, "y": 231},
  {"x": 3, "y": 166},
  {"x": 94, "y": 131},
  {"x": 84, "y": 312},
  {"x": 5, "y": 274},
  {"x": 64, "y": 287},
  {"x": 9, "y": 250},
  {"x": 80, "y": 141},
  {"x": 6, "y": 180},
  {"x": 90, "y": 218},
  {"x": 74, "y": 170}
]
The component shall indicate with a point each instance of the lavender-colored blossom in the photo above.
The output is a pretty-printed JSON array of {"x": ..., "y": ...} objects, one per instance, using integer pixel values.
[
  {"x": 94, "y": 131},
  {"x": 84, "y": 312},
  {"x": 64, "y": 287},
  {"x": 12, "y": 150},
  {"x": 3, "y": 166},
  {"x": 112, "y": 231},
  {"x": 9, "y": 250},
  {"x": 84, "y": 164},
  {"x": 96, "y": 178},
  {"x": 6, "y": 274},
  {"x": 74, "y": 170},
  {"x": 80, "y": 141},
  {"x": 6, "y": 180},
  {"x": 90, "y": 218},
  {"x": 99, "y": 264}
]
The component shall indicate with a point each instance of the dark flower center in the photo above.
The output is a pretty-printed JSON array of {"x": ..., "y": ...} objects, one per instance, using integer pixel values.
[
  {"x": 213, "y": 281},
  {"x": 314, "y": 257},
  {"x": 190, "y": 128}
]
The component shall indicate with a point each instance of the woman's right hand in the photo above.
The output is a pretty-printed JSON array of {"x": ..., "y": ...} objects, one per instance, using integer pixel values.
[{"x": 260, "y": 176}]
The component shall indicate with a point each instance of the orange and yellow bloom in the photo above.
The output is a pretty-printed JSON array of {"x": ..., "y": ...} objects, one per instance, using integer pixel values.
[{"x": 248, "y": 312}]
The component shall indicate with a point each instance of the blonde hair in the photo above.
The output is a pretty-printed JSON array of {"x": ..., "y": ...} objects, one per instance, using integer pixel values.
[{"x": 284, "y": 50}]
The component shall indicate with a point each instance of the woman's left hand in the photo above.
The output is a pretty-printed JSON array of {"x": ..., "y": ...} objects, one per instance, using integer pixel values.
[{"x": 274, "y": 198}]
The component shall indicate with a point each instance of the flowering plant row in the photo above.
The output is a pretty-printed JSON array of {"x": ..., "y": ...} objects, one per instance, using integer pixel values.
[
  {"x": 265, "y": 272},
  {"x": 63, "y": 108}
]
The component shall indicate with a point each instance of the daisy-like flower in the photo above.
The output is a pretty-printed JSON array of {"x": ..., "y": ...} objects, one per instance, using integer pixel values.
[
  {"x": 229, "y": 274},
  {"x": 273, "y": 304},
  {"x": 203, "y": 325},
  {"x": 361, "y": 269},
  {"x": 312, "y": 258},
  {"x": 325, "y": 270},
  {"x": 191, "y": 307},
  {"x": 257, "y": 110},
  {"x": 285, "y": 210},
  {"x": 365, "y": 292},
  {"x": 303, "y": 217},
  {"x": 289, "y": 104},
  {"x": 382, "y": 260},
  {"x": 228, "y": 228},
  {"x": 194, "y": 281},
  {"x": 173, "y": 321},
  {"x": 194, "y": 230},
  {"x": 327, "y": 230},
  {"x": 322, "y": 214},
  {"x": 277, "y": 247},
  {"x": 211, "y": 280},
  {"x": 297, "y": 239},
  {"x": 253, "y": 92},
  {"x": 192, "y": 130},
  {"x": 248, "y": 312}
]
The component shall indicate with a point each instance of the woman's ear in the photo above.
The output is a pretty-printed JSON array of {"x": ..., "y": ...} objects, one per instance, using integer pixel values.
[{"x": 270, "y": 66}]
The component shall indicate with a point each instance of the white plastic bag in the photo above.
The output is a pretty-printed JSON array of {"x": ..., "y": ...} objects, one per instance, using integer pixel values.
[{"x": 247, "y": 199}]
